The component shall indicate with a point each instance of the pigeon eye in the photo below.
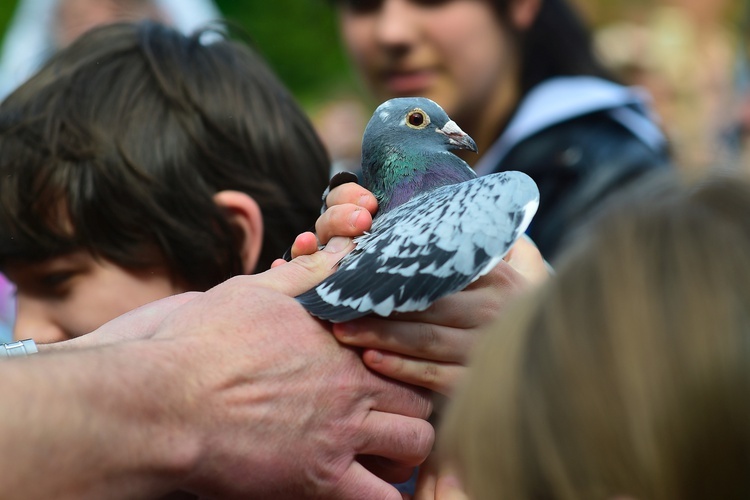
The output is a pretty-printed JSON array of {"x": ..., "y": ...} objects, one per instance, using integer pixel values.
[{"x": 417, "y": 119}]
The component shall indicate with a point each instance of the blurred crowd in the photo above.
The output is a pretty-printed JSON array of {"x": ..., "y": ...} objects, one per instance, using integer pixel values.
[
  {"x": 692, "y": 56},
  {"x": 145, "y": 160},
  {"x": 40, "y": 27}
]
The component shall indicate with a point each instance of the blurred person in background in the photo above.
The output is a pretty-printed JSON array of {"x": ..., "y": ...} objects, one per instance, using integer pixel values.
[
  {"x": 627, "y": 375},
  {"x": 40, "y": 27},
  {"x": 738, "y": 135},
  {"x": 340, "y": 122},
  {"x": 520, "y": 77},
  {"x": 690, "y": 56}
]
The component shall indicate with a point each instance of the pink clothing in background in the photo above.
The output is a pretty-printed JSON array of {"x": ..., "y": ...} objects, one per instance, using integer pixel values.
[{"x": 7, "y": 308}]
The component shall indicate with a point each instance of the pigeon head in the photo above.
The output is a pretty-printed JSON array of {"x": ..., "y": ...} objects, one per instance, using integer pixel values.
[{"x": 406, "y": 148}]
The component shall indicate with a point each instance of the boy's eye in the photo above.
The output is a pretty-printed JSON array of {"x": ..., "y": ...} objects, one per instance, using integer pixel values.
[
  {"x": 55, "y": 280},
  {"x": 47, "y": 286}
]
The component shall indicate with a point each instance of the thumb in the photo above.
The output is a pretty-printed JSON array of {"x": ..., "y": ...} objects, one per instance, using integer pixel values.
[
  {"x": 304, "y": 272},
  {"x": 140, "y": 323}
]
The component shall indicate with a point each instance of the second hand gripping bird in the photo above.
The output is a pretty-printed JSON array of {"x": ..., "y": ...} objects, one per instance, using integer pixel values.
[{"x": 438, "y": 227}]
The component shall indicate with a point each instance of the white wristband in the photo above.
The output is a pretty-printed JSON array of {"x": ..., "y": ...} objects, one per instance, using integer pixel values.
[{"x": 20, "y": 348}]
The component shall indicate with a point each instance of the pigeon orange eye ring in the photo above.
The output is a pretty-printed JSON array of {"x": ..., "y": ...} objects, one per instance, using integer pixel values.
[{"x": 418, "y": 119}]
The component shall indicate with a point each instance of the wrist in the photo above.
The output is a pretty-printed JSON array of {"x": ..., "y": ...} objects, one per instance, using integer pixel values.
[
  {"x": 118, "y": 414},
  {"x": 20, "y": 348},
  {"x": 176, "y": 442}
]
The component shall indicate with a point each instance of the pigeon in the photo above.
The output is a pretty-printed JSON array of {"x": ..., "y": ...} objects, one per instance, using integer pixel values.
[{"x": 438, "y": 227}]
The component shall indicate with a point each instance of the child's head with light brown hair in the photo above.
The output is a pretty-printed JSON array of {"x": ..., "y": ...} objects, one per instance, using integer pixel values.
[{"x": 628, "y": 374}]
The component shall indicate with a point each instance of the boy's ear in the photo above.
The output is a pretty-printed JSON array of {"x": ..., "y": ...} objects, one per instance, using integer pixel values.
[
  {"x": 524, "y": 12},
  {"x": 244, "y": 213}
]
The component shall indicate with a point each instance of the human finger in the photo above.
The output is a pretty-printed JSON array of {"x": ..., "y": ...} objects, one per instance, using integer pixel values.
[
  {"x": 304, "y": 244},
  {"x": 429, "y": 348},
  {"x": 390, "y": 447},
  {"x": 478, "y": 304},
  {"x": 304, "y": 272},
  {"x": 447, "y": 330},
  {"x": 342, "y": 220},
  {"x": 433, "y": 375},
  {"x": 352, "y": 193},
  {"x": 137, "y": 324},
  {"x": 400, "y": 439},
  {"x": 417, "y": 339},
  {"x": 426, "y": 481},
  {"x": 358, "y": 482},
  {"x": 386, "y": 469},
  {"x": 448, "y": 487}
]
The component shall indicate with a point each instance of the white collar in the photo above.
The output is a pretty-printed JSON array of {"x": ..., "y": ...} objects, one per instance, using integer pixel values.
[{"x": 559, "y": 99}]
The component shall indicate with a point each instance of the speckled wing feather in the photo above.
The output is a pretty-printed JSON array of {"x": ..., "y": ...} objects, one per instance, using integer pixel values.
[{"x": 431, "y": 246}]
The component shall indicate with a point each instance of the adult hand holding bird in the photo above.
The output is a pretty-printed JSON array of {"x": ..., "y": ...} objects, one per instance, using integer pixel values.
[{"x": 428, "y": 348}]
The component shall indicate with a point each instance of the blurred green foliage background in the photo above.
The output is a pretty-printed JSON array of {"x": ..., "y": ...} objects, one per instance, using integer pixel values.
[
  {"x": 300, "y": 40},
  {"x": 6, "y": 10},
  {"x": 297, "y": 37}
]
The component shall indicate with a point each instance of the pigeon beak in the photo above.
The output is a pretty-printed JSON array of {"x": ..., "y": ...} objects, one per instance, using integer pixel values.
[{"x": 457, "y": 137}]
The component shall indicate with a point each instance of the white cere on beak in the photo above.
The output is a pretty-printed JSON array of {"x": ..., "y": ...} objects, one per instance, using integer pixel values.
[{"x": 450, "y": 128}]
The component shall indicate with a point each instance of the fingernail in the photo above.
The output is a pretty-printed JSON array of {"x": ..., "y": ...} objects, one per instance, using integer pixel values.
[
  {"x": 337, "y": 244},
  {"x": 353, "y": 218},
  {"x": 343, "y": 330},
  {"x": 363, "y": 200},
  {"x": 376, "y": 357}
]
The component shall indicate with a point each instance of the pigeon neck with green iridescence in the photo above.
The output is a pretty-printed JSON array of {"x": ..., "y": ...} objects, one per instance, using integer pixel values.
[{"x": 398, "y": 177}]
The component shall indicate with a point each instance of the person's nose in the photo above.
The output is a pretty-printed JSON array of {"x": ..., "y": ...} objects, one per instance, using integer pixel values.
[
  {"x": 397, "y": 23},
  {"x": 34, "y": 321}
]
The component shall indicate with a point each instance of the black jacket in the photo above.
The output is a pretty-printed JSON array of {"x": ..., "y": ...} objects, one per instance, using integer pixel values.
[{"x": 579, "y": 159}]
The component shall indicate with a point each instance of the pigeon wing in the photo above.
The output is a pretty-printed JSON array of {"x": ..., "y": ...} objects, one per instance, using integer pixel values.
[{"x": 429, "y": 247}]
